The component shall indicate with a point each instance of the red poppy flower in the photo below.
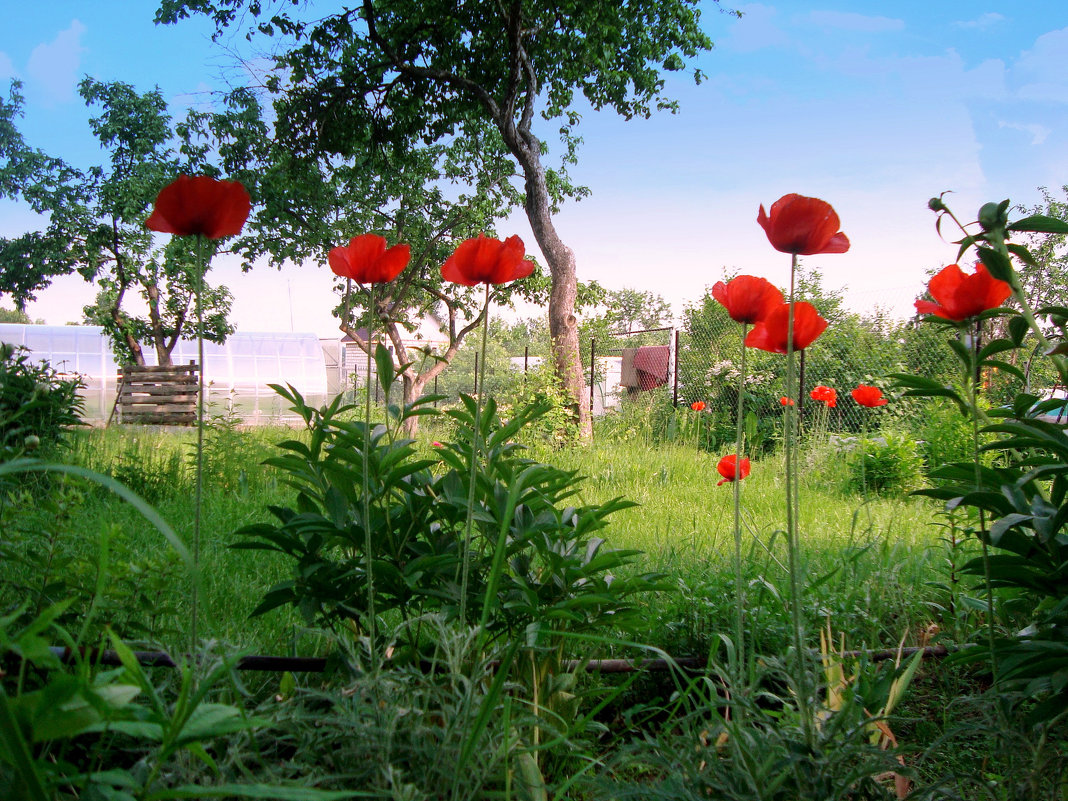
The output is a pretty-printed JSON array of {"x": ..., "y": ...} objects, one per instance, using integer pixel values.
[
  {"x": 698, "y": 406},
  {"x": 200, "y": 205},
  {"x": 826, "y": 395},
  {"x": 868, "y": 396},
  {"x": 726, "y": 468},
  {"x": 746, "y": 298},
  {"x": 958, "y": 296},
  {"x": 770, "y": 333},
  {"x": 366, "y": 259},
  {"x": 482, "y": 260},
  {"x": 785, "y": 401},
  {"x": 803, "y": 226}
]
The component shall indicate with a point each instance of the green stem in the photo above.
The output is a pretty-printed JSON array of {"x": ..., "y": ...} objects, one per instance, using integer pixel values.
[
  {"x": 972, "y": 382},
  {"x": 792, "y": 536},
  {"x": 864, "y": 461},
  {"x": 368, "y": 544},
  {"x": 201, "y": 267},
  {"x": 739, "y": 583},
  {"x": 475, "y": 445}
]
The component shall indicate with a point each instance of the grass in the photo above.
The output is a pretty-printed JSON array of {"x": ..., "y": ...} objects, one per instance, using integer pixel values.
[
  {"x": 876, "y": 569},
  {"x": 868, "y": 565}
]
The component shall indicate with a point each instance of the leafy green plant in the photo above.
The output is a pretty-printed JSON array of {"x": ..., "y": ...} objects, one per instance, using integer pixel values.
[
  {"x": 81, "y": 731},
  {"x": 884, "y": 463},
  {"x": 748, "y": 744},
  {"x": 229, "y": 452},
  {"x": 37, "y": 405},
  {"x": 534, "y": 559},
  {"x": 943, "y": 435},
  {"x": 1021, "y": 497}
]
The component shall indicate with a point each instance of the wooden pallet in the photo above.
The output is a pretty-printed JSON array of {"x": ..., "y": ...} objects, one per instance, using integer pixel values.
[{"x": 158, "y": 395}]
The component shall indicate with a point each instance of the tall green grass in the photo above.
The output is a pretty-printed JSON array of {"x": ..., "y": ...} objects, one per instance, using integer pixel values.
[{"x": 871, "y": 566}]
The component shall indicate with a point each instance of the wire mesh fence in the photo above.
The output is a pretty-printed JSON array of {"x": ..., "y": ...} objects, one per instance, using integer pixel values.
[
  {"x": 662, "y": 370},
  {"x": 702, "y": 362}
]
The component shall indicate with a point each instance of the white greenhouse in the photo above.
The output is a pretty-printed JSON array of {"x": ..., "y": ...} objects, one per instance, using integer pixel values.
[{"x": 236, "y": 372}]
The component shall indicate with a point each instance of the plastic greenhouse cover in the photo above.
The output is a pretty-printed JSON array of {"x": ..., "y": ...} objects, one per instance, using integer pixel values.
[{"x": 247, "y": 359}]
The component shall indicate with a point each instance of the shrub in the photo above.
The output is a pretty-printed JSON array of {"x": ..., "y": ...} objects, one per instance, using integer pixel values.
[
  {"x": 37, "y": 405},
  {"x": 887, "y": 463},
  {"x": 944, "y": 435}
]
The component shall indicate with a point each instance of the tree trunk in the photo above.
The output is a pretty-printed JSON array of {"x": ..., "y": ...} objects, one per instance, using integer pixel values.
[
  {"x": 563, "y": 326},
  {"x": 163, "y": 353},
  {"x": 131, "y": 342}
]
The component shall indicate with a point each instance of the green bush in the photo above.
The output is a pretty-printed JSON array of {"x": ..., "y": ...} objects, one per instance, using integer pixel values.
[
  {"x": 37, "y": 405},
  {"x": 944, "y": 435},
  {"x": 887, "y": 463}
]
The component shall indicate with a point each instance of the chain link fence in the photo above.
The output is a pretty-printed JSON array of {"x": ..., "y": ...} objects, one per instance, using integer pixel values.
[{"x": 701, "y": 361}]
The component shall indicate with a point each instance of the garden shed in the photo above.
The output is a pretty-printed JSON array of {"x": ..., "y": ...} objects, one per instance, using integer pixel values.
[{"x": 238, "y": 370}]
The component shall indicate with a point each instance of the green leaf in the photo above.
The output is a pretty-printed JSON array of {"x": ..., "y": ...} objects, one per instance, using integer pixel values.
[
  {"x": 1040, "y": 224},
  {"x": 214, "y": 720},
  {"x": 1018, "y": 328},
  {"x": 997, "y": 263},
  {"x": 384, "y": 364},
  {"x": 16, "y": 751},
  {"x": 1023, "y": 254}
]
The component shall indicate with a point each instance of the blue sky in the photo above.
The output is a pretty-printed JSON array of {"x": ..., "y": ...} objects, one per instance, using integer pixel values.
[{"x": 874, "y": 107}]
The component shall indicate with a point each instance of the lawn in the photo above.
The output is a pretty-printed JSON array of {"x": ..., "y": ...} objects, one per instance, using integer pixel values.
[{"x": 878, "y": 571}]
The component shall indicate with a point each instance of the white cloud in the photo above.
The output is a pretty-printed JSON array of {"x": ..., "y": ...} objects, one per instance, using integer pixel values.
[
  {"x": 850, "y": 21},
  {"x": 982, "y": 21},
  {"x": 52, "y": 68},
  {"x": 1042, "y": 72},
  {"x": 1039, "y": 133}
]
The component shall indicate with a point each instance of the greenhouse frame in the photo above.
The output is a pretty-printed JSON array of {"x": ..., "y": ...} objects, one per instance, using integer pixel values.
[{"x": 236, "y": 373}]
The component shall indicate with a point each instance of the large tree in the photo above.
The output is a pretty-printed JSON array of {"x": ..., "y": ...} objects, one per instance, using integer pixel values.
[
  {"x": 50, "y": 187},
  {"x": 93, "y": 223},
  {"x": 430, "y": 196},
  {"x": 629, "y": 309},
  {"x": 398, "y": 68}
]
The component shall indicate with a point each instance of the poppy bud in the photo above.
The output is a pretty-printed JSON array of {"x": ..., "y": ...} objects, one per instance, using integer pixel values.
[{"x": 994, "y": 215}]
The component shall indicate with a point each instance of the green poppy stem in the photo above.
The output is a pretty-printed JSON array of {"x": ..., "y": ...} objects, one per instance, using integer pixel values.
[
  {"x": 198, "y": 495},
  {"x": 971, "y": 381},
  {"x": 739, "y": 583},
  {"x": 864, "y": 461},
  {"x": 368, "y": 544},
  {"x": 792, "y": 536},
  {"x": 475, "y": 445}
]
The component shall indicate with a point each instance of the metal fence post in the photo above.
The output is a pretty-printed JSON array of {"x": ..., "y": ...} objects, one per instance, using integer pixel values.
[
  {"x": 593, "y": 370},
  {"x": 675, "y": 369}
]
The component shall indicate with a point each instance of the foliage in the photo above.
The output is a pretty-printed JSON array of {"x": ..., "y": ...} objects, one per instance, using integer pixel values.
[
  {"x": 536, "y": 566},
  {"x": 943, "y": 435},
  {"x": 50, "y": 187},
  {"x": 56, "y": 729},
  {"x": 95, "y": 223},
  {"x": 38, "y": 406},
  {"x": 1019, "y": 499},
  {"x": 887, "y": 462},
  {"x": 629, "y": 309},
  {"x": 748, "y": 743},
  {"x": 17, "y": 316},
  {"x": 378, "y": 78}
]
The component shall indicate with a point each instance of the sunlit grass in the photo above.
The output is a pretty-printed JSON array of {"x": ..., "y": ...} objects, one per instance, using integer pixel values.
[{"x": 869, "y": 566}]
